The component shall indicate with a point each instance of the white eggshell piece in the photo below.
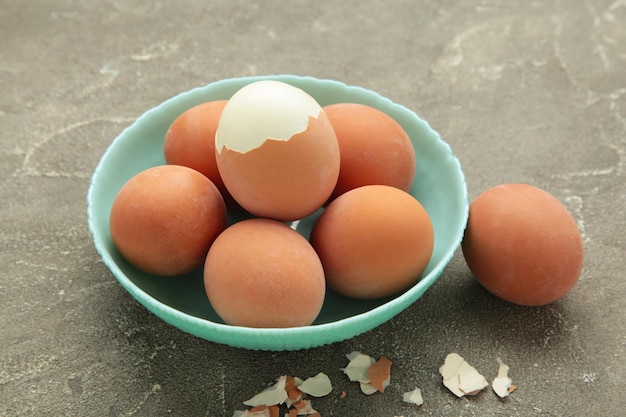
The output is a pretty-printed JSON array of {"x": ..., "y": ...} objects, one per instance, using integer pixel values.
[
  {"x": 413, "y": 397},
  {"x": 368, "y": 389},
  {"x": 316, "y": 386},
  {"x": 460, "y": 377},
  {"x": 472, "y": 382},
  {"x": 273, "y": 395},
  {"x": 358, "y": 366},
  {"x": 502, "y": 382}
]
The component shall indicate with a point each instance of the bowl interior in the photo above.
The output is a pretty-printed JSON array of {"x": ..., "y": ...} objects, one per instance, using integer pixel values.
[{"x": 439, "y": 185}]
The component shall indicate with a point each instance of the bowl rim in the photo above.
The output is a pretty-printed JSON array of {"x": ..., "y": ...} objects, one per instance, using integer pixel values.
[{"x": 223, "y": 333}]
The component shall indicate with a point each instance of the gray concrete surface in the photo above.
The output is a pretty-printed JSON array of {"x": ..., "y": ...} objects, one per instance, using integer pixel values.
[{"x": 523, "y": 91}]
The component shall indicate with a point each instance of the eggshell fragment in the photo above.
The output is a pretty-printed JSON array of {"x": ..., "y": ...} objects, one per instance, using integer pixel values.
[
  {"x": 373, "y": 376},
  {"x": 373, "y": 241},
  {"x": 293, "y": 392},
  {"x": 287, "y": 391},
  {"x": 413, "y": 397},
  {"x": 374, "y": 148},
  {"x": 367, "y": 388},
  {"x": 276, "y": 151},
  {"x": 502, "y": 383},
  {"x": 273, "y": 395},
  {"x": 471, "y": 383},
  {"x": 357, "y": 368},
  {"x": 316, "y": 386},
  {"x": 379, "y": 374},
  {"x": 523, "y": 245},
  {"x": 304, "y": 407},
  {"x": 460, "y": 377},
  {"x": 261, "y": 273}
]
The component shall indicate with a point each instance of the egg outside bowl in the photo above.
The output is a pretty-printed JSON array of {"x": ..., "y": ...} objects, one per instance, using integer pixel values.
[{"x": 181, "y": 301}]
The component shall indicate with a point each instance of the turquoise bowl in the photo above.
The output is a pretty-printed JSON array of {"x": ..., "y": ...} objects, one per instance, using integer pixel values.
[{"x": 181, "y": 301}]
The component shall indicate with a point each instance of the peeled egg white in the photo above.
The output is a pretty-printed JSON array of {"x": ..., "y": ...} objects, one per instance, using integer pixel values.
[
  {"x": 276, "y": 151},
  {"x": 271, "y": 110}
]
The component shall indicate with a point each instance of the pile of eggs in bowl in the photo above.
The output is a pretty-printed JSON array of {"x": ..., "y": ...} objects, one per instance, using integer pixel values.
[{"x": 273, "y": 152}]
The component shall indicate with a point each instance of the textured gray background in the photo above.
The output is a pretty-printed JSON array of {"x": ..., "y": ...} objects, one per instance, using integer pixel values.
[{"x": 523, "y": 92}]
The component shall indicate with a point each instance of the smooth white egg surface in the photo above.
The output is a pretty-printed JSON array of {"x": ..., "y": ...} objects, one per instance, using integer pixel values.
[{"x": 264, "y": 110}]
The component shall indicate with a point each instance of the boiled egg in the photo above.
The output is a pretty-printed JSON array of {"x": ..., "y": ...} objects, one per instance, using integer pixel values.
[
  {"x": 190, "y": 140},
  {"x": 522, "y": 244},
  {"x": 373, "y": 241},
  {"x": 276, "y": 151},
  {"x": 165, "y": 218},
  {"x": 374, "y": 148},
  {"x": 261, "y": 273}
]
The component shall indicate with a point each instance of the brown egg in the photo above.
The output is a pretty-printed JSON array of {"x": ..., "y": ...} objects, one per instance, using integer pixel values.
[
  {"x": 276, "y": 151},
  {"x": 373, "y": 241},
  {"x": 262, "y": 273},
  {"x": 374, "y": 148},
  {"x": 190, "y": 141},
  {"x": 523, "y": 245},
  {"x": 165, "y": 218}
]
